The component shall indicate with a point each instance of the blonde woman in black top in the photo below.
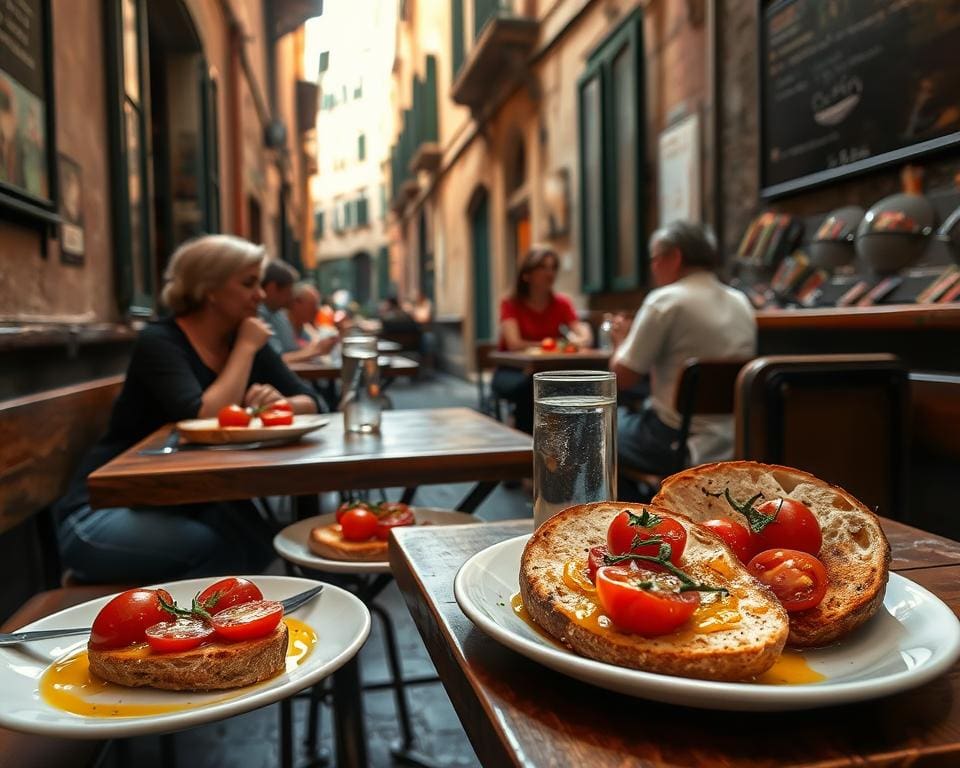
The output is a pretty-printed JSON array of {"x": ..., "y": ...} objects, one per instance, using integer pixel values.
[{"x": 210, "y": 353}]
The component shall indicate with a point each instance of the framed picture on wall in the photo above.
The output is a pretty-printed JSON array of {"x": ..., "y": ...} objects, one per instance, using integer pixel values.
[
  {"x": 72, "y": 247},
  {"x": 28, "y": 179}
]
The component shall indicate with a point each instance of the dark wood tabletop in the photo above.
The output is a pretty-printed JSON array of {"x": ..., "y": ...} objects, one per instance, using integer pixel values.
[
  {"x": 535, "y": 361},
  {"x": 413, "y": 447},
  {"x": 517, "y": 712},
  {"x": 327, "y": 369}
]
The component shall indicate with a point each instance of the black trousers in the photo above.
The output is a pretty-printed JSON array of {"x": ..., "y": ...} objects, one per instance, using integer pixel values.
[{"x": 515, "y": 386}]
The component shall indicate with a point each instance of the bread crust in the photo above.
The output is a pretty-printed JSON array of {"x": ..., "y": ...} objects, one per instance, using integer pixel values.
[
  {"x": 213, "y": 667},
  {"x": 327, "y": 541},
  {"x": 741, "y": 651},
  {"x": 855, "y": 551}
]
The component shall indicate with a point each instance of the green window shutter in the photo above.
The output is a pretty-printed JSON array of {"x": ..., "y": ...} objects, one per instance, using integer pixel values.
[
  {"x": 383, "y": 272},
  {"x": 318, "y": 224},
  {"x": 362, "y": 213},
  {"x": 129, "y": 150},
  {"x": 210, "y": 161},
  {"x": 431, "y": 131},
  {"x": 361, "y": 147},
  {"x": 610, "y": 107},
  {"x": 456, "y": 33},
  {"x": 483, "y": 11}
]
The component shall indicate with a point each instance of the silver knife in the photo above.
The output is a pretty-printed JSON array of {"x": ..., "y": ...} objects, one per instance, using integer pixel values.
[{"x": 12, "y": 638}]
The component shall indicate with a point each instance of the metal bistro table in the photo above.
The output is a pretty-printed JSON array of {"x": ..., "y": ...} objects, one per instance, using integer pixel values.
[
  {"x": 414, "y": 447},
  {"x": 518, "y": 713},
  {"x": 535, "y": 361}
]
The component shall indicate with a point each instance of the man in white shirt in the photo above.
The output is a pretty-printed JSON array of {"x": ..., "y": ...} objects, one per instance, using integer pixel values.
[{"x": 689, "y": 314}]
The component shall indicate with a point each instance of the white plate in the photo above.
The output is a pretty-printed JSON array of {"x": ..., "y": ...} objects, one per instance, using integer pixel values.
[
  {"x": 291, "y": 542},
  {"x": 210, "y": 432},
  {"x": 912, "y": 640},
  {"x": 340, "y": 620}
]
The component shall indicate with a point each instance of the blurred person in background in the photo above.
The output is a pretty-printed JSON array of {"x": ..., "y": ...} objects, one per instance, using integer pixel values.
[
  {"x": 278, "y": 289},
  {"x": 690, "y": 314},
  {"x": 532, "y": 313},
  {"x": 210, "y": 353}
]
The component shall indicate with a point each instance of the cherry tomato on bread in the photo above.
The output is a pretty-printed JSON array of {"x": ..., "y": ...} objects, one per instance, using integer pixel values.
[
  {"x": 177, "y": 636},
  {"x": 393, "y": 516},
  {"x": 628, "y": 531},
  {"x": 233, "y": 416},
  {"x": 734, "y": 535},
  {"x": 358, "y": 524},
  {"x": 798, "y": 579},
  {"x": 276, "y": 418},
  {"x": 227, "y": 593},
  {"x": 642, "y": 602},
  {"x": 124, "y": 620},
  {"x": 248, "y": 621},
  {"x": 348, "y": 505},
  {"x": 793, "y": 526}
]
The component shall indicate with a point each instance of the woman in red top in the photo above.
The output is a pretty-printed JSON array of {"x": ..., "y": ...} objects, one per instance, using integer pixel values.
[{"x": 531, "y": 314}]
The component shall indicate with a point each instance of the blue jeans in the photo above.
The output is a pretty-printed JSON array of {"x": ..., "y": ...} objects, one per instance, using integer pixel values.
[
  {"x": 646, "y": 443},
  {"x": 140, "y": 546}
]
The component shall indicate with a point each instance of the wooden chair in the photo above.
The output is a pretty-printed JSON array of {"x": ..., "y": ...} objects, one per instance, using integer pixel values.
[
  {"x": 705, "y": 388},
  {"x": 844, "y": 418},
  {"x": 42, "y": 439},
  {"x": 487, "y": 401}
]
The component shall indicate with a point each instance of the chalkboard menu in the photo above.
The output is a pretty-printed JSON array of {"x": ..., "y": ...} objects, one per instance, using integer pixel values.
[
  {"x": 849, "y": 85},
  {"x": 26, "y": 119}
]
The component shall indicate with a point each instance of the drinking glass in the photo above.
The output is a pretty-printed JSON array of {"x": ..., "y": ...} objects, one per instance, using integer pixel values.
[
  {"x": 574, "y": 440},
  {"x": 360, "y": 385}
]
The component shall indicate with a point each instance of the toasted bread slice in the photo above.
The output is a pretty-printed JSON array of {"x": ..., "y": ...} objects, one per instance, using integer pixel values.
[
  {"x": 211, "y": 667},
  {"x": 327, "y": 541},
  {"x": 743, "y": 646},
  {"x": 855, "y": 552}
]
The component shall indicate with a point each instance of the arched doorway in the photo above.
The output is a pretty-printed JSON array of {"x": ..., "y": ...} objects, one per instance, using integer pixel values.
[
  {"x": 478, "y": 215},
  {"x": 363, "y": 277}
]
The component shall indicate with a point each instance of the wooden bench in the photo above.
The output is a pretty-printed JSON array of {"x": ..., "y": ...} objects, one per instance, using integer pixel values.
[{"x": 42, "y": 440}]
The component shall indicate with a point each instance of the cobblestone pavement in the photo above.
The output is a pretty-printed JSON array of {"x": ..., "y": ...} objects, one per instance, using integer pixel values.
[{"x": 251, "y": 739}]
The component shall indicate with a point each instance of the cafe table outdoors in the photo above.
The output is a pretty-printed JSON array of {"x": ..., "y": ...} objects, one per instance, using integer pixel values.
[
  {"x": 517, "y": 712},
  {"x": 534, "y": 360},
  {"x": 328, "y": 369},
  {"x": 414, "y": 447}
]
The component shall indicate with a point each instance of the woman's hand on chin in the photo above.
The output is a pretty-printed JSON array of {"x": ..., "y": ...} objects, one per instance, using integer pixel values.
[
  {"x": 253, "y": 333},
  {"x": 260, "y": 395}
]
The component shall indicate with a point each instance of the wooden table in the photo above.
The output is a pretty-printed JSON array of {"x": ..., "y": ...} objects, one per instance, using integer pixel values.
[
  {"x": 326, "y": 369},
  {"x": 517, "y": 712},
  {"x": 534, "y": 362},
  {"x": 414, "y": 447}
]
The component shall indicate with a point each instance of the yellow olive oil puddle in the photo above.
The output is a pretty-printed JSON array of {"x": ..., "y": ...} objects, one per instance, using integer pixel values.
[
  {"x": 790, "y": 669},
  {"x": 70, "y": 686}
]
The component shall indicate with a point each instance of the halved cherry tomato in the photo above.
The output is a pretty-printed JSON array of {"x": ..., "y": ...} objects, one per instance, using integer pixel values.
[
  {"x": 125, "y": 618},
  {"x": 227, "y": 593},
  {"x": 793, "y": 526},
  {"x": 798, "y": 579},
  {"x": 248, "y": 621},
  {"x": 643, "y": 602},
  {"x": 358, "y": 524},
  {"x": 177, "y": 636},
  {"x": 233, "y": 416},
  {"x": 394, "y": 518},
  {"x": 596, "y": 559},
  {"x": 348, "y": 505},
  {"x": 548, "y": 344},
  {"x": 276, "y": 418},
  {"x": 627, "y": 531},
  {"x": 735, "y": 536},
  {"x": 280, "y": 405}
]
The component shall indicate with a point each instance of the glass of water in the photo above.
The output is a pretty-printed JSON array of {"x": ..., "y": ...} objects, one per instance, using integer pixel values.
[
  {"x": 574, "y": 440},
  {"x": 360, "y": 385}
]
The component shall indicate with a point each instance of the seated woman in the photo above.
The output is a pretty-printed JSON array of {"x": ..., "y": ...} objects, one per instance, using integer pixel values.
[
  {"x": 211, "y": 353},
  {"x": 533, "y": 313}
]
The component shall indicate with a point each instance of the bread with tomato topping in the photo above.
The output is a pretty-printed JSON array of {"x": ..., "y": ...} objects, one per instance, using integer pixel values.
[
  {"x": 327, "y": 541},
  {"x": 855, "y": 552},
  {"x": 212, "y": 667},
  {"x": 745, "y": 646}
]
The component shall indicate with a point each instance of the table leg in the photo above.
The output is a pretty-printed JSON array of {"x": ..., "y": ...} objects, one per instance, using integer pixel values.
[
  {"x": 286, "y": 733},
  {"x": 306, "y": 506},
  {"x": 476, "y": 497},
  {"x": 408, "y": 493},
  {"x": 348, "y": 727}
]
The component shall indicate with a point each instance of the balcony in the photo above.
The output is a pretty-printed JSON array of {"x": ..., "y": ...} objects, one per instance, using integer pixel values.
[{"x": 498, "y": 58}]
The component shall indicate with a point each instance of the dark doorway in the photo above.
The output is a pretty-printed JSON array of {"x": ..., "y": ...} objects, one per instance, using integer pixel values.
[
  {"x": 363, "y": 276},
  {"x": 479, "y": 217}
]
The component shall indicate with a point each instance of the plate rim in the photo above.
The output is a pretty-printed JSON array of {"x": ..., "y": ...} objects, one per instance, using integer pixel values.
[
  {"x": 329, "y": 565},
  {"x": 285, "y": 432},
  {"x": 71, "y": 726},
  {"x": 667, "y": 688}
]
